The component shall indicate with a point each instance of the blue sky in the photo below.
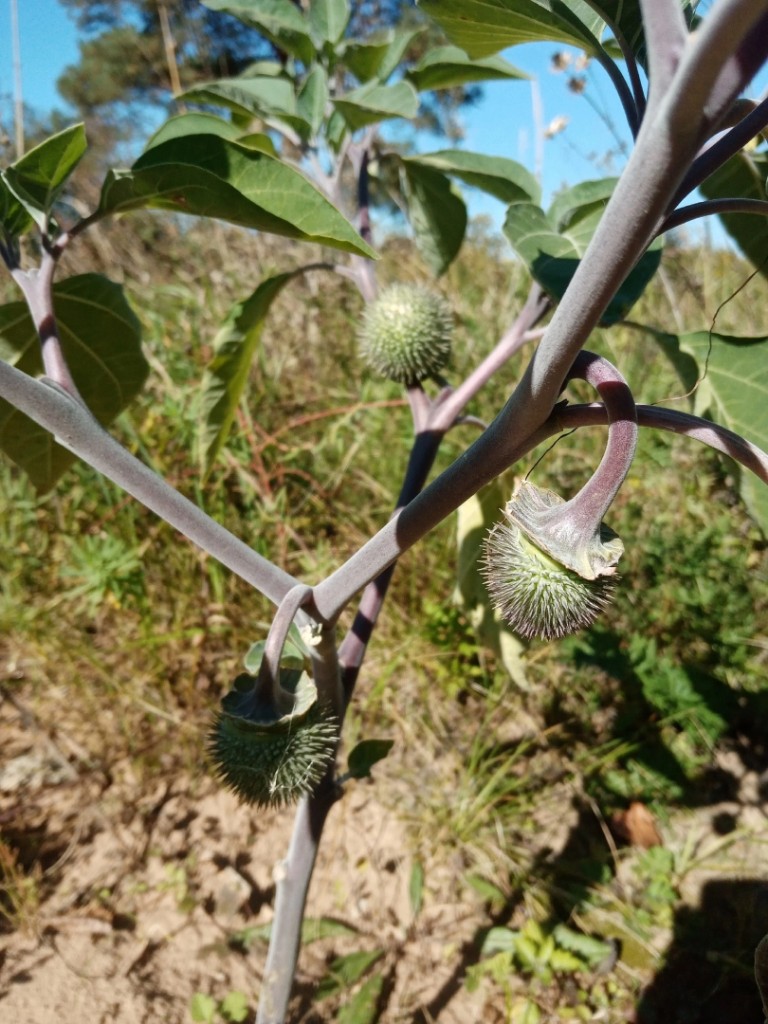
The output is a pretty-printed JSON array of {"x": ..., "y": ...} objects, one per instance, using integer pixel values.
[{"x": 507, "y": 122}]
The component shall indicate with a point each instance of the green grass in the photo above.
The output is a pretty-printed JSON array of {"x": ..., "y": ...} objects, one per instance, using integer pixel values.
[{"x": 144, "y": 633}]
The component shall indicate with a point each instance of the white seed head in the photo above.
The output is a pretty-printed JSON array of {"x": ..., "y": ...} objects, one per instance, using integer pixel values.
[
  {"x": 534, "y": 594},
  {"x": 406, "y": 333}
]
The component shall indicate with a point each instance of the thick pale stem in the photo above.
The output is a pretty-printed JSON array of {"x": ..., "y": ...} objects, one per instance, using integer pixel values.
[
  {"x": 268, "y": 682},
  {"x": 73, "y": 426}
]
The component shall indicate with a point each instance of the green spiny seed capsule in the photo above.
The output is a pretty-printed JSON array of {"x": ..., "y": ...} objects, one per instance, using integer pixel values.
[
  {"x": 536, "y": 595},
  {"x": 269, "y": 758},
  {"x": 406, "y": 333}
]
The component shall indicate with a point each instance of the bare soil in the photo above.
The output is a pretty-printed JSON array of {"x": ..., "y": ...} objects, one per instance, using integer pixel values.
[{"x": 142, "y": 891}]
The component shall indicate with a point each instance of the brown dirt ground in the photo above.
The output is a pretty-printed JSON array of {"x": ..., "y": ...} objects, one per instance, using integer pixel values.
[{"x": 140, "y": 887}]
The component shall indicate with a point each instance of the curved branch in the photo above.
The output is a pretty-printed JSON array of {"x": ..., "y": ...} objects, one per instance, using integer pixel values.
[
  {"x": 726, "y": 147},
  {"x": 721, "y": 439},
  {"x": 710, "y": 207},
  {"x": 73, "y": 426}
]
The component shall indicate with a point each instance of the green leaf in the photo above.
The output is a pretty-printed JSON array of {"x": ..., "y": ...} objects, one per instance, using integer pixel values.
[
  {"x": 436, "y": 213},
  {"x": 363, "y": 1008},
  {"x": 505, "y": 179},
  {"x": 346, "y": 970},
  {"x": 500, "y": 940},
  {"x": 445, "y": 67},
  {"x": 193, "y": 124},
  {"x": 313, "y": 98},
  {"x": 552, "y": 244},
  {"x": 226, "y": 376},
  {"x": 328, "y": 19},
  {"x": 14, "y": 218},
  {"x": 272, "y": 99},
  {"x": 416, "y": 888},
  {"x": 590, "y": 950},
  {"x": 733, "y": 392},
  {"x": 202, "y": 1008},
  {"x": 483, "y": 27},
  {"x": 100, "y": 337},
  {"x": 38, "y": 177},
  {"x": 744, "y": 177},
  {"x": 365, "y": 755},
  {"x": 314, "y": 929},
  {"x": 212, "y": 177},
  {"x": 234, "y": 1006},
  {"x": 379, "y": 55},
  {"x": 474, "y": 518},
  {"x": 372, "y": 103},
  {"x": 281, "y": 21}
]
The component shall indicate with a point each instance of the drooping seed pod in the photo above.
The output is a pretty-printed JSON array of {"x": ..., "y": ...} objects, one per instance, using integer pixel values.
[
  {"x": 406, "y": 333},
  {"x": 550, "y": 565},
  {"x": 534, "y": 592},
  {"x": 267, "y": 755}
]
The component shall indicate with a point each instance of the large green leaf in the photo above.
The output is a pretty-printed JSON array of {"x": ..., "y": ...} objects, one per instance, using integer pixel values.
[
  {"x": 100, "y": 337},
  {"x": 264, "y": 96},
  {"x": 744, "y": 177},
  {"x": 505, "y": 179},
  {"x": 313, "y": 98},
  {"x": 436, "y": 213},
  {"x": 483, "y": 27},
  {"x": 445, "y": 67},
  {"x": 38, "y": 177},
  {"x": 328, "y": 19},
  {"x": 281, "y": 21},
  {"x": 372, "y": 103},
  {"x": 733, "y": 391},
  {"x": 226, "y": 377},
  {"x": 378, "y": 55},
  {"x": 552, "y": 244},
  {"x": 208, "y": 176},
  {"x": 197, "y": 123}
]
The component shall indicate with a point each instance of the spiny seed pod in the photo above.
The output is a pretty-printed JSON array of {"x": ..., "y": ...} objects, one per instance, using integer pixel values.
[
  {"x": 266, "y": 756},
  {"x": 531, "y": 587},
  {"x": 406, "y": 333}
]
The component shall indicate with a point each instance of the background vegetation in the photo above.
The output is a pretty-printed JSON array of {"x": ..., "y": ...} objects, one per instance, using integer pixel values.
[{"x": 661, "y": 705}]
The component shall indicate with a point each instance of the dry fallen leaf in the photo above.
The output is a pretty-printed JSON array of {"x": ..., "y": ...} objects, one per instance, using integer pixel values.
[{"x": 637, "y": 826}]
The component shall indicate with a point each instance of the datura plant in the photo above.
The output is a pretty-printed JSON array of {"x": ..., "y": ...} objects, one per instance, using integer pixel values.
[{"x": 277, "y": 151}]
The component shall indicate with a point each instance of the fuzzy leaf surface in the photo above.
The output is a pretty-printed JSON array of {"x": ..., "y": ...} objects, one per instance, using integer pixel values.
[
  {"x": 732, "y": 389},
  {"x": 445, "y": 67},
  {"x": 552, "y": 244},
  {"x": 226, "y": 377},
  {"x": 281, "y": 21},
  {"x": 372, "y": 103},
  {"x": 436, "y": 213},
  {"x": 484, "y": 27},
  {"x": 264, "y": 96},
  {"x": 328, "y": 19},
  {"x": 744, "y": 175},
  {"x": 38, "y": 177},
  {"x": 505, "y": 179},
  {"x": 100, "y": 336},
  {"x": 208, "y": 176}
]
